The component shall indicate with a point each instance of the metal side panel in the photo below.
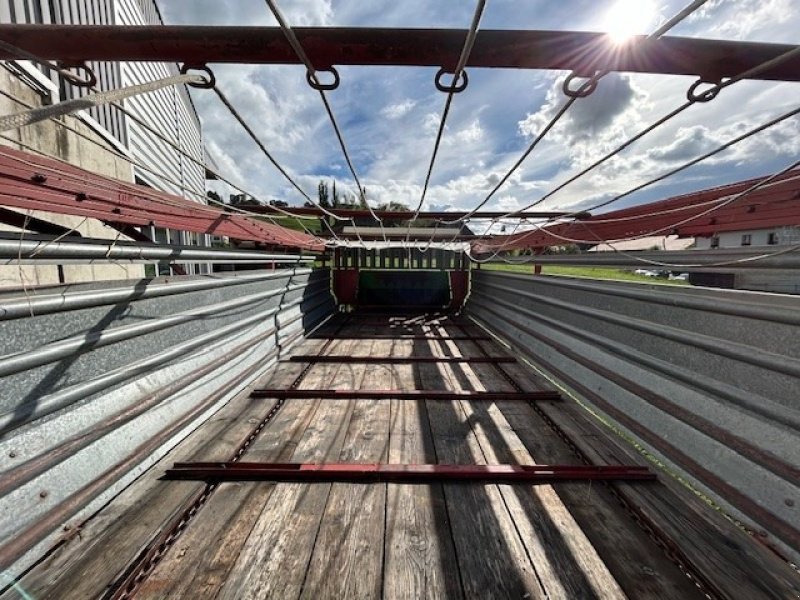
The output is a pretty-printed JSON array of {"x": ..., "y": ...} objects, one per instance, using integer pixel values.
[
  {"x": 705, "y": 380},
  {"x": 83, "y": 441}
]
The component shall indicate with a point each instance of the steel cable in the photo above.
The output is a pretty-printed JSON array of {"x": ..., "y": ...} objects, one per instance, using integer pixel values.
[
  {"x": 24, "y": 53},
  {"x": 469, "y": 42},
  {"x": 311, "y": 73},
  {"x": 674, "y": 171},
  {"x": 719, "y": 204},
  {"x": 658, "y": 123},
  {"x": 680, "y": 16}
]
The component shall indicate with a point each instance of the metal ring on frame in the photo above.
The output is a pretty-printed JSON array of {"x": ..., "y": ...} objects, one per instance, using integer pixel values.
[
  {"x": 583, "y": 90},
  {"x": 211, "y": 80},
  {"x": 88, "y": 82},
  {"x": 453, "y": 88},
  {"x": 692, "y": 95},
  {"x": 323, "y": 87}
]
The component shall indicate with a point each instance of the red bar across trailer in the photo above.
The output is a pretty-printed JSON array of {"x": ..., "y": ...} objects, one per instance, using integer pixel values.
[
  {"x": 584, "y": 51},
  {"x": 373, "y": 472},
  {"x": 313, "y": 358},
  {"x": 405, "y": 395}
]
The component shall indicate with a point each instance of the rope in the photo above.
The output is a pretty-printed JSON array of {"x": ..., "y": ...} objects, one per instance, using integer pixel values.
[
  {"x": 680, "y": 16},
  {"x": 719, "y": 204},
  {"x": 466, "y": 50},
  {"x": 664, "y": 176},
  {"x": 311, "y": 73},
  {"x": 34, "y": 115},
  {"x": 70, "y": 77}
]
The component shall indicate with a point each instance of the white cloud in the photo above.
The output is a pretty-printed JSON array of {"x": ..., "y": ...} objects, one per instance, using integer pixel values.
[
  {"x": 472, "y": 133},
  {"x": 689, "y": 142},
  {"x": 389, "y": 117},
  {"x": 395, "y": 111},
  {"x": 739, "y": 19}
]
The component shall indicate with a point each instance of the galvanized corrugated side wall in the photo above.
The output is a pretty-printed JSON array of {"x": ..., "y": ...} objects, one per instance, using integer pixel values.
[
  {"x": 99, "y": 381},
  {"x": 706, "y": 380}
]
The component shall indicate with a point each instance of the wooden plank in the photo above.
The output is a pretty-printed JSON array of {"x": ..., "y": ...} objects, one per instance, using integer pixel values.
[
  {"x": 420, "y": 560},
  {"x": 347, "y": 559},
  {"x": 710, "y": 542},
  {"x": 492, "y": 559},
  {"x": 274, "y": 558},
  {"x": 108, "y": 542},
  {"x": 567, "y": 564},
  {"x": 737, "y": 565}
]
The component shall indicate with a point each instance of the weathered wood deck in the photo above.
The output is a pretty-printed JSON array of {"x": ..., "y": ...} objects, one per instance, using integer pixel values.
[{"x": 453, "y": 540}]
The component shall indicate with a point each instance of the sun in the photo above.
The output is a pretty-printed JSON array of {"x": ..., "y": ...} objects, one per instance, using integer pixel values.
[{"x": 627, "y": 18}]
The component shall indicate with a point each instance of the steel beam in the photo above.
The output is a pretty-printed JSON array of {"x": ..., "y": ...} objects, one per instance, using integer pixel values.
[
  {"x": 371, "y": 473},
  {"x": 403, "y": 215},
  {"x": 404, "y": 395},
  {"x": 567, "y": 50},
  {"x": 718, "y": 259},
  {"x": 43, "y": 249},
  {"x": 313, "y": 358},
  {"x": 388, "y": 336}
]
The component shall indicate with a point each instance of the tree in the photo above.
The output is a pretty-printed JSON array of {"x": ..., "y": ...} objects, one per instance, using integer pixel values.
[
  {"x": 322, "y": 192},
  {"x": 278, "y": 203}
]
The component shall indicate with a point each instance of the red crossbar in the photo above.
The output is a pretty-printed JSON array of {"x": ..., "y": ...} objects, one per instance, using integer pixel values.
[
  {"x": 388, "y": 336},
  {"x": 405, "y": 395},
  {"x": 372, "y": 472},
  {"x": 313, "y": 358}
]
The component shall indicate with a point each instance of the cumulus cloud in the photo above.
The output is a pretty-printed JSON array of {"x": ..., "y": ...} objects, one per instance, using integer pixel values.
[
  {"x": 615, "y": 97},
  {"x": 389, "y": 117},
  {"x": 396, "y": 111},
  {"x": 689, "y": 143},
  {"x": 740, "y": 19}
]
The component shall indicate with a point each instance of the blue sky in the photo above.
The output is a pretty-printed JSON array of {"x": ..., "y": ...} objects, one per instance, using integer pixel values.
[{"x": 389, "y": 116}]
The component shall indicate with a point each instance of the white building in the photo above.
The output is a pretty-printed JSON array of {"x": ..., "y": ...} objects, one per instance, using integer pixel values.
[
  {"x": 776, "y": 236},
  {"x": 169, "y": 111}
]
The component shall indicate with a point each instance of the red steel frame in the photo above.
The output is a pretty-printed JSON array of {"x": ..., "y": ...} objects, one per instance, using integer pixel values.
[
  {"x": 774, "y": 205},
  {"x": 398, "y": 473},
  {"x": 32, "y": 182},
  {"x": 568, "y": 50},
  {"x": 405, "y": 395},
  {"x": 432, "y": 338},
  {"x": 313, "y": 358}
]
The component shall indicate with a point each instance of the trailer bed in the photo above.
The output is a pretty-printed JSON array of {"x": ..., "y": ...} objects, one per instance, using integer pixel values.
[{"x": 245, "y": 539}]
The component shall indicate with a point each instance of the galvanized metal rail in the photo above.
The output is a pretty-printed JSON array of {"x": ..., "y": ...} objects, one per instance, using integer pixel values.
[{"x": 127, "y": 584}]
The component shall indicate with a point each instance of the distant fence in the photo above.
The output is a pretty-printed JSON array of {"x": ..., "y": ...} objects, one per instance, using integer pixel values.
[
  {"x": 707, "y": 380},
  {"x": 100, "y": 380}
]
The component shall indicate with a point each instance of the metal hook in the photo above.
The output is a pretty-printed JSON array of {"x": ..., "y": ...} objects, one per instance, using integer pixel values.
[
  {"x": 692, "y": 95},
  {"x": 88, "y": 82},
  {"x": 583, "y": 90},
  {"x": 210, "y": 80},
  {"x": 312, "y": 80},
  {"x": 453, "y": 88}
]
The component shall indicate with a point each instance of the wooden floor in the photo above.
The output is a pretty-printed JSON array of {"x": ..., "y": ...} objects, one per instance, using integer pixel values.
[{"x": 322, "y": 540}]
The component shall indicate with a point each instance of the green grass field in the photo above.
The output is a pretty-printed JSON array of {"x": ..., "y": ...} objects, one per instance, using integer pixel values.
[{"x": 590, "y": 272}]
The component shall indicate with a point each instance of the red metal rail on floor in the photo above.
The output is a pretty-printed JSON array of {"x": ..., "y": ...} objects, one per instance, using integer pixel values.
[
  {"x": 398, "y": 359},
  {"x": 405, "y": 395},
  {"x": 385, "y": 336},
  {"x": 368, "y": 473}
]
